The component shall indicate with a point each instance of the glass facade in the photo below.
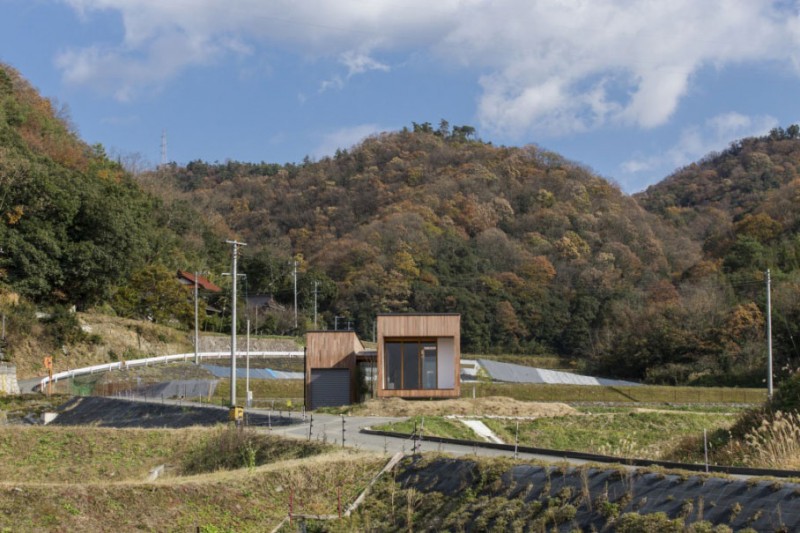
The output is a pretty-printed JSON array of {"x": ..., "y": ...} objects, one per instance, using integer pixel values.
[{"x": 410, "y": 364}]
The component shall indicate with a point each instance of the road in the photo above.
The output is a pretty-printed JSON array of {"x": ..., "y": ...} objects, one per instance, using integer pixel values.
[{"x": 328, "y": 428}]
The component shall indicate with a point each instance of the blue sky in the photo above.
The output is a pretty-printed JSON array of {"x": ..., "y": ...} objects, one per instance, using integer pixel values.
[{"x": 632, "y": 89}]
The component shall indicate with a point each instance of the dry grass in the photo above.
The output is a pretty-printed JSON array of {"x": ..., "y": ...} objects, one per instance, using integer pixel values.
[
  {"x": 775, "y": 443},
  {"x": 95, "y": 479},
  {"x": 78, "y": 455},
  {"x": 242, "y": 500},
  {"x": 490, "y": 406},
  {"x": 117, "y": 338}
]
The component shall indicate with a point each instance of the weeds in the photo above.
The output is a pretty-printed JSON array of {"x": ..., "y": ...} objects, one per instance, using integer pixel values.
[
  {"x": 776, "y": 442},
  {"x": 231, "y": 448}
]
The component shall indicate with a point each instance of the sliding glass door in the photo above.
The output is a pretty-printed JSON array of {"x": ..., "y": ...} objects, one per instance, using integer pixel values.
[{"x": 410, "y": 364}]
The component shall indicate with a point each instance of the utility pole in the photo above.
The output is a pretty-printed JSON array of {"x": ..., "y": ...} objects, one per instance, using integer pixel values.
[
  {"x": 769, "y": 337},
  {"x": 196, "y": 325},
  {"x": 234, "y": 254},
  {"x": 316, "y": 284},
  {"x": 294, "y": 275}
]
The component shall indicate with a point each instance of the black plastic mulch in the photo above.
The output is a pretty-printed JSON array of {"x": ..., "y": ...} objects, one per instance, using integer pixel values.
[{"x": 116, "y": 413}]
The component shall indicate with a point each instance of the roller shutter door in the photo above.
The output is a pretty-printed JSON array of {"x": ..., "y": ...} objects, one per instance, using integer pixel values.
[{"x": 330, "y": 387}]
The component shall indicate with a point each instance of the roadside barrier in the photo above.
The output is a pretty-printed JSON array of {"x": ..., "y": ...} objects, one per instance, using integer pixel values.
[{"x": 122, "y": 365}]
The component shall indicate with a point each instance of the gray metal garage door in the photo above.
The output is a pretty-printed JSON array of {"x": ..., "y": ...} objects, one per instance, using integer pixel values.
[{"x": 330, "y": 387}]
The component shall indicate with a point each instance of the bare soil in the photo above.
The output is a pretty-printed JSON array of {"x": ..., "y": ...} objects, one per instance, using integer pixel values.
[{"x": 488, "y": 406}]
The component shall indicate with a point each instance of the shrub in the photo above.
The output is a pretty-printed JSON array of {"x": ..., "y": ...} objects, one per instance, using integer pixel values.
[{"x": 230, "y": 448}]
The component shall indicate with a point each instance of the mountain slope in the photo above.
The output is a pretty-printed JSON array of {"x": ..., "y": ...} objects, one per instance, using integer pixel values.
[{"x": 529, "y": 247}]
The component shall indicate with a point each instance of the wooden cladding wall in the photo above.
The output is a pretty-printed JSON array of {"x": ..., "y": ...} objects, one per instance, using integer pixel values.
[
  {"x": 428, "y": 326},
  {"x": 419, "y": 326},
  {"x": 331, "y": 349}
]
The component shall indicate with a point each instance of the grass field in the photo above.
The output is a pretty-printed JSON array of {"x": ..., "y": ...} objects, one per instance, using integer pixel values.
[
  {"x": 626, "y": 432},
  {"x": 92, "y": 479},
  {"x": 267, "y": 390},
  {"x": 640, "y": 394}
]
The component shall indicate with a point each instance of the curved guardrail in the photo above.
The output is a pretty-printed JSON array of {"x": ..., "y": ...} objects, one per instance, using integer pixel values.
[{"x": 121, "y": 365}]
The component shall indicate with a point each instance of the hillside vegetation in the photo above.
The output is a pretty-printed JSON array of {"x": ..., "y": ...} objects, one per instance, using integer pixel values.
[
  {"x": 77, "y": 232},
  {"x": 531, "y": 249},
  {"x": 539, "y": 255}
]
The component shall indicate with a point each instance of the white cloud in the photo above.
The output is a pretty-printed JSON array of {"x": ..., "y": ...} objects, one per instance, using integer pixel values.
[
  {"x": 358, "y": 63},
  {"x": 344, "y": 138},
  {"x": 694, "y": 143},
  {"x": 548, "y": 67}
]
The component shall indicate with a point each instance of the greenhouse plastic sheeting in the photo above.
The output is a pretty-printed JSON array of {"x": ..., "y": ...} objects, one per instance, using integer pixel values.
[{"x": 526, "y": 374}]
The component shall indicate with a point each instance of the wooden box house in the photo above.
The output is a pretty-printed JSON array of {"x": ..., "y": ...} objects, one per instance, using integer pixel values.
[{"x": 417, "y": 356}]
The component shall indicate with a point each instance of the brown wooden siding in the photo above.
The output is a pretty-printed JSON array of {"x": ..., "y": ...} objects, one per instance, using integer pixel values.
[
  {"x": 331, "y": 349},
  {"x": 397, "y": 327},
  {"x": 418, "y": 326}
]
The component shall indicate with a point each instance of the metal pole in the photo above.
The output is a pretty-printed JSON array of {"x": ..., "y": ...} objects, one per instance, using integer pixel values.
[
  {"x": 769, "y": 338},
  {"x": 316, "y": 284},
  {"x": 196, "y": 325},
  {"x": 294, "y": 274},
  {"x": 247, "y": 373},
  {"x": 235, "y": 253}
]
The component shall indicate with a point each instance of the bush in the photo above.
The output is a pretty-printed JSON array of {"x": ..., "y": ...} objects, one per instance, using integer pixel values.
[
  {"x": 230, "y": 448},
  {"x": 64, "y": 327}
]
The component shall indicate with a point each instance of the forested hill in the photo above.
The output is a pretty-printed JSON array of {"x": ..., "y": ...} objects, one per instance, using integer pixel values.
[
  {"x": 743, "y": 207},
  {"x": 536, "y": 252},
  {"x": 75, "y": 228},
  {"x": 742, "y": 204}
]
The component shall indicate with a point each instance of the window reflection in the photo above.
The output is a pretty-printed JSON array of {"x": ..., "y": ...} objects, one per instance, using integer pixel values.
[{"x": 410, "y": 364}]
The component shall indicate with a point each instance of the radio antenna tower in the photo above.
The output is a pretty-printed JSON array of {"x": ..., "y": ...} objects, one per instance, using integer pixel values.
[{"x": 163, "y": 148}]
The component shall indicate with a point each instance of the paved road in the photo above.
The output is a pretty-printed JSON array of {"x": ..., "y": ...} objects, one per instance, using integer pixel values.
[
  {"x": 27, "y": 385},
  {"x": 328, "y": 428}
]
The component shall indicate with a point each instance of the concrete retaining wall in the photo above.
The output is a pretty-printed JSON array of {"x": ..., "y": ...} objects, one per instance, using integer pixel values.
[{"x": 8, "y": 379}]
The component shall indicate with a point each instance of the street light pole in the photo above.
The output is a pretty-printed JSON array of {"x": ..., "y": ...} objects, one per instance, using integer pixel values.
[
  {"x": 294, "y": 274},
  {"x": 234, "y": 253},
  {"x": 769, "y": 337},
  {"x": 316, "y": 284}
]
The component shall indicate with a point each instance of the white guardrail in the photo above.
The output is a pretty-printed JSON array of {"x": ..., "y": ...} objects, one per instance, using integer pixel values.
[{"x": 122, "y": 365}]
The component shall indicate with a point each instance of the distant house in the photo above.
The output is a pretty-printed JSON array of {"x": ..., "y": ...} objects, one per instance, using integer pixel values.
[
  {"x": 188, "y": 278},
  {"x": 418, "y": 356},
  {"x": 263, "y": 301}
]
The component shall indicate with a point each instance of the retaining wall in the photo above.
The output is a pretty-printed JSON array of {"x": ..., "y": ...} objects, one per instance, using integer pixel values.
[{"x": 8, "y": 379}]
